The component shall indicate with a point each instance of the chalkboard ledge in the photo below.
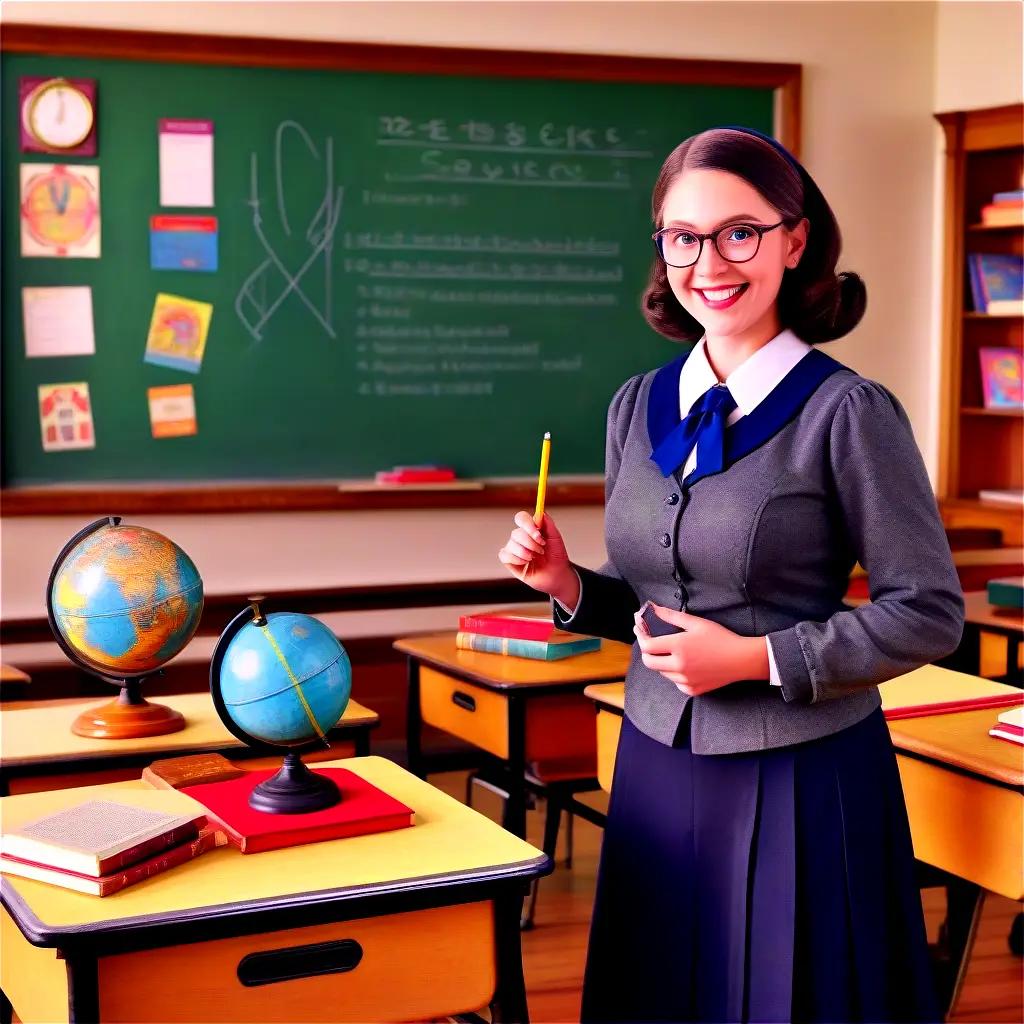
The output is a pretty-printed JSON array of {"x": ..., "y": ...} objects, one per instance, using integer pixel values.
[{"x": 116, "y": 498}]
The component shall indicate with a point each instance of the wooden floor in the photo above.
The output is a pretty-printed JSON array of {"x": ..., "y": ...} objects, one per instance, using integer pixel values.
[{"x": 554, "y": 951}]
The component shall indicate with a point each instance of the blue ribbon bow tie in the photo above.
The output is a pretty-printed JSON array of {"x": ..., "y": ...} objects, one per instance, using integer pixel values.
[{"x": 703, "y": 426}]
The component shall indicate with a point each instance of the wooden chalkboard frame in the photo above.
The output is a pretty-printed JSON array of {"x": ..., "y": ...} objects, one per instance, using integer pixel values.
[{"x": 173, "y": 47}]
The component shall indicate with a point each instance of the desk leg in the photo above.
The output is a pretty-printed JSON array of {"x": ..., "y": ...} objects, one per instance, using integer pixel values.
[
  {"x": 413, "y": 722},
  {"x": 362, "y": 742},
  {"x": 83, "y": 989},
  {"x": 964, "y": 903},
  {"x": 514, "y": 818},
  {"x": 509, "y": 1003}
]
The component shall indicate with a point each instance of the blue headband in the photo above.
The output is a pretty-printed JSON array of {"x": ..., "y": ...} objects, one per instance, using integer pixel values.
[{"x": 767, "y": 138}]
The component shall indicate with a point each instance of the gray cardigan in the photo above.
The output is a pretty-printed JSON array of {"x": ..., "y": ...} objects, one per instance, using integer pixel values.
[{"x": 765, "y": 548}]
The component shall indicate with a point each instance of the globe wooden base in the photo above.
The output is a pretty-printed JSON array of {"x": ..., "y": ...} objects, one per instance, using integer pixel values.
[{"x": 120, "y": 720}]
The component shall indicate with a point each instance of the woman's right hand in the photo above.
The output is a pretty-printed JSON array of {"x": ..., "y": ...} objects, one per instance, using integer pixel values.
[{"x": 537, "y": 556}]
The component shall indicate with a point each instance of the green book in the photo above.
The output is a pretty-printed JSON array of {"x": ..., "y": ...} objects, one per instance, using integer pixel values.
[
  {"x": 540, "y": 650},
  {"x": 1006, "y": 592}
]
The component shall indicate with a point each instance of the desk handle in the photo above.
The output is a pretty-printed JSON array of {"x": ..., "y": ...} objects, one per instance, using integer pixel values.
[
  {"x": 464, "y": 701},
  {"x": 275, "y": 965}
]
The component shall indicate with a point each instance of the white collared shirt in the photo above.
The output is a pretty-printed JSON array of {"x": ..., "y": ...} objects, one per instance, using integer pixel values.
[{"x": 749, "y": 384}]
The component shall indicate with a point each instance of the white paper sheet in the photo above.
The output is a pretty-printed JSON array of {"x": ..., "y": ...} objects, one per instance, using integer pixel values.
[
  {"x": 58, "y": 322},
  {"x": 186, "y": 162}
]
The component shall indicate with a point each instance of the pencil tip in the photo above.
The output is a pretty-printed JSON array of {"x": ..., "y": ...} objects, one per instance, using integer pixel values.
[{"x": 547, "y": 435}]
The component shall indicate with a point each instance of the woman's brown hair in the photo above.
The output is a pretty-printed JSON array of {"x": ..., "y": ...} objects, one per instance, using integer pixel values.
[{"x": 813, "y": 301}]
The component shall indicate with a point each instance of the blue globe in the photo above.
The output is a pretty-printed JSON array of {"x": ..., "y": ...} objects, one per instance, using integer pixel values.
[{"x": 286, "y": 680}]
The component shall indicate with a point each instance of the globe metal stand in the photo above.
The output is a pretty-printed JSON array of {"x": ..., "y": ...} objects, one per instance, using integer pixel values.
[
  {"x": 130, "y": 715},
  {"x": 295, "y": 789}
]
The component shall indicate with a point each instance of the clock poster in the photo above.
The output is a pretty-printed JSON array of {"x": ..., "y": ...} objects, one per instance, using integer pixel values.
[{"x": 58, "y": 115}]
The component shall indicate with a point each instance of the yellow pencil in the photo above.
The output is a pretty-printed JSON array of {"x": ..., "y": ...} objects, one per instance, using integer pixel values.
[{"x": 542, "y": 478}]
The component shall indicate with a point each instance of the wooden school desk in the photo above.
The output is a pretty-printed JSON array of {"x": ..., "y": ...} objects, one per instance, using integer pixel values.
[
  {"x": 414, "y": 924},
  {"x": 517, "y": 710},
  {"x": 39, "y": 750},
  {"x": 964, "y": 791}
]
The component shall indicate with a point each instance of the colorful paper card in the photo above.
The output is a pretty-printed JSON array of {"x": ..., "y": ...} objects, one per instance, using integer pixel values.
[
  {"x": 1001, "y": 378},
  {"x": 186, "y": 162},
  {"x": 172, "y": 411},
  {"x": 182, "y": 243},
  {"x": 60, "y": 210},
  {"x": 177, "y": 332},
  {"x": 58, "y": 321},
  {"x": 65, "y": 416}
]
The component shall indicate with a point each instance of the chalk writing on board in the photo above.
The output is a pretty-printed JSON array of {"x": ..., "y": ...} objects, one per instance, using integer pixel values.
[
  {"x": 253, "y": 303},
  {"x": 408, "y": 241}
]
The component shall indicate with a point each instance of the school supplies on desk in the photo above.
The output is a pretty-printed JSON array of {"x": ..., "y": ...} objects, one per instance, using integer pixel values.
[
  {"x": 179, "y": 772},
  {"x": 415, "y": 475},
  {"x": 1010, "y": 726},
  {"x": 1006, "y": 592},
  {"x": 363, "y": 809},
  {"x": 98, "y": 837},
  {"x": 905, "y": 697},
  {"x": 539, "y": 650},
  {"x": 516, "y": 627},
  {"x": 115, "y": 881}
]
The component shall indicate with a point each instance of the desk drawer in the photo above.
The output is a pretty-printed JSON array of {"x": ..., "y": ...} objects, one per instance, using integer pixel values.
[
  {"x": 413, "y": 966},
  {"x": 470, "y": 712}
]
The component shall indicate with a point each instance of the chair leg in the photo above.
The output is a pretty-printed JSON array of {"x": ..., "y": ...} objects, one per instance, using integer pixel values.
[
  {"x": 552, "y": 819},
  {"x": 470, "y": 779}
]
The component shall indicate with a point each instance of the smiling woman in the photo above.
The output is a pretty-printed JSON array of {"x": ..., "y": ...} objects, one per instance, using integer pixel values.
[{"x": 757, "y": 861}]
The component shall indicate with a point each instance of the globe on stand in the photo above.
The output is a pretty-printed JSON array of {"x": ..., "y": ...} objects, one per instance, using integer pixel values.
[
  {"x": 122, "y": 601},
  {"x": 282, "y": 680}
]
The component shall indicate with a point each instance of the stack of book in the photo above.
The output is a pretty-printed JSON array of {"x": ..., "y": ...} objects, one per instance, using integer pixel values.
[
  {"x": 521, "y": 636},
  {"x": 1010, "y": 726},
  {"x": 101, "y": 846},
  {"x": 1006, "y": 208},
  {"x": 427, "y": 474}
]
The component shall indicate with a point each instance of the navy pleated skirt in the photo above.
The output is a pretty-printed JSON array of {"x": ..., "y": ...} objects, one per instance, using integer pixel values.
[{"x": 775, "y": 885}]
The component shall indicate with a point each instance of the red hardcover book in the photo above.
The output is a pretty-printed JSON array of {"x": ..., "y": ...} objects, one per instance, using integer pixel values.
[
  {"x": 105, "y": 885},
  {"x": 515, "y": 627},
  {"x": 363, "y": 809},
  {"x": 415, "y": 476}
]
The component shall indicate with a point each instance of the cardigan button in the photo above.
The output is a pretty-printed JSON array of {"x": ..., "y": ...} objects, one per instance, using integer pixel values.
[
  {"x": 672, "y": 499},
  {"x": 666, "y": 540}
]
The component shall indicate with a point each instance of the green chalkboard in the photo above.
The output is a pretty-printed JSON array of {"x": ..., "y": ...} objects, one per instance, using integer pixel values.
[{"x": 413, "y": 266}]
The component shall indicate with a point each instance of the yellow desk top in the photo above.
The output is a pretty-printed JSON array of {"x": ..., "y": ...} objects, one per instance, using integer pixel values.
[
  {"x": 449, "y": 842},
  {"x": 960, "y": 738},
  {"x": 40, "y": 732},
  {"x": 500, "y": 672}
]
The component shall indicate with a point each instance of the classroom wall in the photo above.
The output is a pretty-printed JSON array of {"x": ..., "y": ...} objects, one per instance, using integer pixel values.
[{"x": 874, "y": 73}]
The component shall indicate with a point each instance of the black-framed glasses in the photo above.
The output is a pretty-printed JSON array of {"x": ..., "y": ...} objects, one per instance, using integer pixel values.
[{"x": 680, "y": 247}]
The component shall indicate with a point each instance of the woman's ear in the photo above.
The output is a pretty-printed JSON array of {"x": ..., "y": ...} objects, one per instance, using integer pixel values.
[{"x": 797, "y": 243}]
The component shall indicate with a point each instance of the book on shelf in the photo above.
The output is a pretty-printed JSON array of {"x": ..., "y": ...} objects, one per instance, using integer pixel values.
[
  {"x": 363, "y": 809},
  {"x": 1015, "y": 195},
  {"x": 998, "y": 215},
  {"x": 98, "y": 837},
  {"x": 1010, "y": 726},
  {"x": 1003, "y": 497},
  {"x": 997, "y": 282},
  {"x": 515, "y": 626},
  {"x": 539, "y": 650},
  {"x": 107, "y": 884},
  {"x": 1006, "y": 592},
  {"x": 1001, "y": 370}
]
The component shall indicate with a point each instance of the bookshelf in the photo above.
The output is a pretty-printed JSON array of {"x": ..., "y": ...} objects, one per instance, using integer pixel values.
[{"x": 979, "y": 448}]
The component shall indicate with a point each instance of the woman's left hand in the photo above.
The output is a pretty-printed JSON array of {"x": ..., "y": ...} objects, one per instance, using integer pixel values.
[{"x": 706, "y": 657}]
